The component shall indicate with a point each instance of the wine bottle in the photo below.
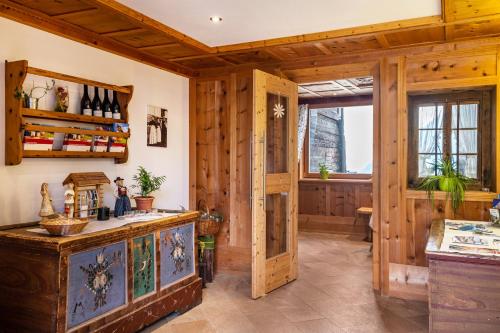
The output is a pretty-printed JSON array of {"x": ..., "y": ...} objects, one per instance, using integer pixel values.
[
  {"x": 85, "y": 104},
  {"x": 96, "y": 104},
  {"x": 115, "y": 107},
  {"x": 106, "y": 105}
]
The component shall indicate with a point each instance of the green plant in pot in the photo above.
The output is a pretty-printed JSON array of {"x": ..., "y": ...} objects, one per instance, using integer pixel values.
[
  {"x": 147, "y": 183},
  {"x": 448, "y": 180},
  {"x": 323, "y": 171}
]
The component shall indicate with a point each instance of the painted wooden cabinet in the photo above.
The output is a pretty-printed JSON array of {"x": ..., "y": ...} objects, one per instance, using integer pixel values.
[
  {"x": 464, "y": 289},
  {"x": 117, "y": 280}
]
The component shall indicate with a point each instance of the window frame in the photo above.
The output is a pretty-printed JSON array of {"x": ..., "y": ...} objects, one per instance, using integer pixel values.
[
  {"x": 485, "y": 128},
  {"x": 305, "y": 152}
]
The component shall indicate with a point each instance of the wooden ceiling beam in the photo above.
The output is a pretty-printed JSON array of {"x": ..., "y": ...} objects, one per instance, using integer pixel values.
[
  {"x": 126, "y": 32},
  {"x": 347, "y": 90},
  {"x": 310, "y": 91},
  {"x": 227, "y": 62},
  {"x": 75, "y": 13},
  {"x": 341, "y": 101},
  {"x": 135, "y": 17},
  {"x": 382, "y": 40},
  {"x": 274, "y": 53},
  {"x": 36, "y": 19},
  {"x": 158, "y": 46},
  {"x": 325, "y": 50}
]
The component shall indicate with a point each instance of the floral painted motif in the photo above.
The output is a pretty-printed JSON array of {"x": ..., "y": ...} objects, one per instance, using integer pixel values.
[
  {"x": 144, "y": 265},
  {"x": 99, "y": 277},
  {"x": 177, "y": 254},
  {"x": 96, "y": 283}
]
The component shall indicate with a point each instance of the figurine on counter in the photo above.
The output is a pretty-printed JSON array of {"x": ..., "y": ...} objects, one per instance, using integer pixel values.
[
  {"x": 122, "y": 203},
  {"x": 46, "y": 209},
  {"x": 69, "y": 200}
]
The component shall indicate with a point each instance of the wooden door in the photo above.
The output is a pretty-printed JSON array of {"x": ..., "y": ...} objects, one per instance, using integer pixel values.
[{"x": 274, "y": 183}]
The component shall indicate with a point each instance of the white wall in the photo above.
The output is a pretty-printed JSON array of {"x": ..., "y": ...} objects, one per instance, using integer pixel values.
[{"x": 20, "y": 185}]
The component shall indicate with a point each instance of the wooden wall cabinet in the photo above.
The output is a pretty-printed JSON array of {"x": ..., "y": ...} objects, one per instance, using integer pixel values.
[
  {"x": 16, "y": 116},
  {"x": 116, "y": 280}
]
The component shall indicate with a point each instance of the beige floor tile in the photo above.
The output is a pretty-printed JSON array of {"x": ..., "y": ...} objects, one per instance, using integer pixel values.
[
  {"x": 318, "y": 326},
  {"x": 332, "y": 294},
  {"x": 272, "y": 322},
  {"x": 299, "y": 313},
  {"x": 198, "y": 326},
  {"x": 232, "y": 321}
]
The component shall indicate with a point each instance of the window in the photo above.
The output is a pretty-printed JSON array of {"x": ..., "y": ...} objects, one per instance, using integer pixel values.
[
  {"x": 340, "y": 138},
  {"x": 450, "y": 125}
]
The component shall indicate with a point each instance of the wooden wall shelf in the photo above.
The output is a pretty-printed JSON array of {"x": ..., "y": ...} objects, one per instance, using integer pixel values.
[
  {"x": 44, "y": 114},
  {"x": 69, "y": 154},
  {"x": 69, "y": 78},
  {"x": 16, "y": 114},
  {"x": 42, "y": 128}
]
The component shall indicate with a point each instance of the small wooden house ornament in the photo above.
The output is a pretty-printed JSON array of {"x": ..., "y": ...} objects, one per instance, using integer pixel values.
[{"x": 89, "y": 192}]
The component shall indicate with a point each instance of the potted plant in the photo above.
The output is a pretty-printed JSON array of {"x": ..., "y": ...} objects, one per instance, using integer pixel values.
[
  {"x": 323, "y": 171},
  {"x": 448, "y": 180},
  {"x": 147, "y": 184}
]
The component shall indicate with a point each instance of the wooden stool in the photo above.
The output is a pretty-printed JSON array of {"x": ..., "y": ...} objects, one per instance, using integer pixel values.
[{"x": 364, "y": 211}]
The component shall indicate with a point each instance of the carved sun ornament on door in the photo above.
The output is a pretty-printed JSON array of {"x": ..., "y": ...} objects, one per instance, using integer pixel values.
[{"x": 279, "y": 109}]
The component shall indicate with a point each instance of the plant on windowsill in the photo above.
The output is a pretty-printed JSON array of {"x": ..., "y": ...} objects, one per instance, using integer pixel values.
[
  {"x": 448, "y": 180},
  {"x": 323, "y": 171},
  {"x": 147, "y": 184}
]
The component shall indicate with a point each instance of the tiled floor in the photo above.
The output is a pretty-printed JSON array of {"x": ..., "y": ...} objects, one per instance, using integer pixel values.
[{"x": 332, "y": 294}]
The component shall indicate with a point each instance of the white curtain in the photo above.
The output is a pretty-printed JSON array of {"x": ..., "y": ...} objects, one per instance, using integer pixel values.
[{"x": 302, "y": 126}]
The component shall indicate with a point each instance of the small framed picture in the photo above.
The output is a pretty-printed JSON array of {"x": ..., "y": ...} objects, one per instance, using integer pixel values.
[{"x": 157, "y": 120}]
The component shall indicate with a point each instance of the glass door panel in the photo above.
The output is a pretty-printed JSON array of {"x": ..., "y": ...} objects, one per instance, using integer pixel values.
[
  {"x": 276, "y": 224},
  {"x": 277, "y": 134}
]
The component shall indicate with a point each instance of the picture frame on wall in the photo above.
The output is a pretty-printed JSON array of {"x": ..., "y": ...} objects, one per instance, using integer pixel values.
[{"x": 157, "y": 121}]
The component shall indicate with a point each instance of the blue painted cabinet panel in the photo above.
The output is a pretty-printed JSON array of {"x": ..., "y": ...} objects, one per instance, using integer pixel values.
[
  {"x": 177, "y": 254},
  {"x": 96, "y": 283}
]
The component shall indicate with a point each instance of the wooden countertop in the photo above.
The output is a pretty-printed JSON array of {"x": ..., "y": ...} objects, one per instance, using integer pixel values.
[
  {"x": 433, "y": 248},
  {"x": 21, "y": 237}
]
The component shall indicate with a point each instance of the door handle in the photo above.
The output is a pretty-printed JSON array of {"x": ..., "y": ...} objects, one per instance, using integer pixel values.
[
  {"x": 251, "y": 170},
  {"x": 264, "y": 146}
]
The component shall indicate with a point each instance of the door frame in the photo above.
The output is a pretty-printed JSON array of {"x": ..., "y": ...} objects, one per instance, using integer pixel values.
[{"x": 359, "y": 70}]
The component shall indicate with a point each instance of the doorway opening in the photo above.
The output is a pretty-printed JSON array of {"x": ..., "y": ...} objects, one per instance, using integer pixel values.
[{"x": 336, "y": 136}]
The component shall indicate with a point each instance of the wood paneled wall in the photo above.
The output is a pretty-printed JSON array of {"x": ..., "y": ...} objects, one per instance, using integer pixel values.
[
  {"x": 406, "y": 215},
  {"x": 402, "y": 217},
  {"x": 330, "y": 206},
  {"x": 222, "y": 128}
]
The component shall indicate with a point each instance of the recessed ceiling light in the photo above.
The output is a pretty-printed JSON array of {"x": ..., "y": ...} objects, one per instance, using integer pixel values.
[{"x": 215, "y": 19}]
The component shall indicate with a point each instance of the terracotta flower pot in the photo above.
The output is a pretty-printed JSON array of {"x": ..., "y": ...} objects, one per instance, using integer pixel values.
[{"x": 144, "y": 203}]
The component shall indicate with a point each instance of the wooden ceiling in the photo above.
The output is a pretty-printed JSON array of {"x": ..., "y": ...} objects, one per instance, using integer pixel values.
[
  {"x": 339, "y": 88},
  {"x": 108, "y": 25}
]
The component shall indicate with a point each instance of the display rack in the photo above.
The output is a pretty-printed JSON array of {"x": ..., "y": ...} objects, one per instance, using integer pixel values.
[{"x": 16, "y": 116}]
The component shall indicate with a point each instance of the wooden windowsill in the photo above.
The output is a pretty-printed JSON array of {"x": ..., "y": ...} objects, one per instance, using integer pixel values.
[
  {"x": 439, "y": 195},
  {"x": 335, "y": 180}
]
